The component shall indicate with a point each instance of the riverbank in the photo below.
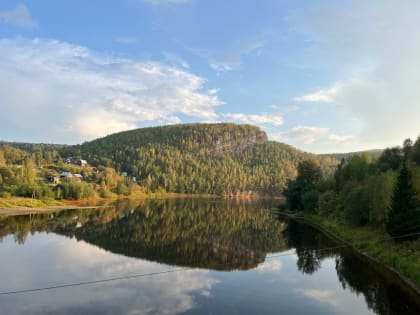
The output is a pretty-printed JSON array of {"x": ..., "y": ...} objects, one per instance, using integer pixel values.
[
  {"x": 20, "y": 205},
  {"x": 21, "y": 202},
  {"x": 402, "y": 258}
]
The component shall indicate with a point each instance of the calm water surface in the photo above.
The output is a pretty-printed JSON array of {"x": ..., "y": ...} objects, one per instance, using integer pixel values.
[{"x": 239, "y": 259}]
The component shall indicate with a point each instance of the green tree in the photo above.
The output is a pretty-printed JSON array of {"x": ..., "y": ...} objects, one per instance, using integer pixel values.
[
  {"x": 404, "y": 214},
  {"x": 415, "y": 152},
  {"x": 378, "y": 191},
  {"x": 328, "y": 202},
  {"x": 391, "y": 158},
  {"x": 28, "y": 170},
  {"x": 301, "y": 193},
  {"x": 356, "y": 208},
  {"x": 309, "y": 172},
  {"x": 2, "y": 159}
]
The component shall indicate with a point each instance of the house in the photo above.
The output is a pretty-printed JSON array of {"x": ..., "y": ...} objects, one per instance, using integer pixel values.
[
  {"x": 78, "y": 177},
  {"x": 75, "y": 160},
  {"x": 51, "y": 179},
  {"x": 71, "y": 160},
  {"x": 82, "y": 163},
  {"x": 66, "y": 175}
]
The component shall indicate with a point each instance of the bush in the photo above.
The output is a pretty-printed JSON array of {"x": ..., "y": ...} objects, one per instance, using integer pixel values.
[
  {"x": 104, "y": 193},
  {"x": 72, "y": 190},
  {"x": 5, "y": 194},
  {"x": 33, "y": 190},
  {"x": 328, "y": 202}
]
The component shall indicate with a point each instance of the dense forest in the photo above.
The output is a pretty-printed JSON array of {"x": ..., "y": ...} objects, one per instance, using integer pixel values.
[
  {"x": 219, "y": 159},
  {"x": 381, "y": 193}
]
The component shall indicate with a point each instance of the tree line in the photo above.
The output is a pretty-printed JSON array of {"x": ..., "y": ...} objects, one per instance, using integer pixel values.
[
  {"x": 217, "y": 159},
  {"x": 221, "y": 159},
  {"x": 381, "y": 192}
]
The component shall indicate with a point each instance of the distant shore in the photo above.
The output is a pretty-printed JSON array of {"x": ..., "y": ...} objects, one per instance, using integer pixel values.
[
  {"x": 19, "y": 206},
  {"x": 24, "y": 211}
]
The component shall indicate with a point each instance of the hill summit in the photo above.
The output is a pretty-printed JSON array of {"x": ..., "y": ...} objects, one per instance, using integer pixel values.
[{"x": 208, "y": 139}]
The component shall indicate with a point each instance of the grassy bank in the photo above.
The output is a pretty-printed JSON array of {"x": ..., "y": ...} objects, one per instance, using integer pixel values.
[
  {"x": 20, "y": 202},
  {"x": 404, "y": 257}
]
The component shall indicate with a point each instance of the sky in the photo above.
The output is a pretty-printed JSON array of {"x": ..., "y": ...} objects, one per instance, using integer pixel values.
[{"x": 323, "y": 76}]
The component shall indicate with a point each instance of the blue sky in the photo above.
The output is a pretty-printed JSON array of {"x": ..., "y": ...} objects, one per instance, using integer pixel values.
[{"x": 324, "y": 76}]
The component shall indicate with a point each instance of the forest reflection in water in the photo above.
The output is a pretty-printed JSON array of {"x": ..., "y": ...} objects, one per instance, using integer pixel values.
[{"x": 219, "y": 235}]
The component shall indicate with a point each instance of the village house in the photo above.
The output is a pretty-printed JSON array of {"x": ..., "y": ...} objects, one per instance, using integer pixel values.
[
  {"x": 78, "y": 177},
  {"x": 64, "y": 175},
  {"x": 51, "y": 179}
]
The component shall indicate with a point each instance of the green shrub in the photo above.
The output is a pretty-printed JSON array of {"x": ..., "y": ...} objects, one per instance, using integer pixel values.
[
  {"x": 5, "y": 194},
  {"x": 328, "y": 202}
]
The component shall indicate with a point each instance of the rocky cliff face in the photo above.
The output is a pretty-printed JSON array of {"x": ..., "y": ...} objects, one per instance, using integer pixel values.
[
  {"x": 235, "y": 140},
  {"x": 213, "y": 139}
]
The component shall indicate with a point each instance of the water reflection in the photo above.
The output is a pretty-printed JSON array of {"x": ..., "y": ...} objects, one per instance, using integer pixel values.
[
  {"x": 382, "y": 290},
  {"x": 282, "y": 270},
  {"x": 184, "y": 232}
]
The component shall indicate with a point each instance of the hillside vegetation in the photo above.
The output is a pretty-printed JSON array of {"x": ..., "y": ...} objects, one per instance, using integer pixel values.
[
  {"x": 373, "y": 204},
  {"x": 220, "y": 159}
]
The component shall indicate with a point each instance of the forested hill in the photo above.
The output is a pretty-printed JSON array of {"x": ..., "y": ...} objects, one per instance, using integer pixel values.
[
  {"x": 202, "y": 139},
  {"x": 374, "y": 154},
  {"x": 33, "y": 147},
  {"x": 221, "y": 158}
]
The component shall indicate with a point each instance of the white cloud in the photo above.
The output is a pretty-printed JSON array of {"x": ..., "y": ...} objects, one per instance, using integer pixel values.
[
  {"x": 20, "y": 16},
  {"x": 319, "y": 295},
  {"x": 286, "y": 108},
  {"x": 340, "y": 303},
  {"x": 312, "y": 134},
  {"x": 324, "y": 95},
  {"x": 264, "y": 118},
  {"x": 375, "y": 45},
  {"x": 273, "y": 266},
  {"x": 232, "y": 59},
  {"x": 175, "y": 60},
  {"x": 337, "y": 138},
  {"x": 67, "y": 93}
]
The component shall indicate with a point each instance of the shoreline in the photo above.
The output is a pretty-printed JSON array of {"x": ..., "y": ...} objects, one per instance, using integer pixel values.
[
  {"x": 411, "y": 284},
  {"x": 95, "y": 203},
  {"x": 27, "y": 210}
]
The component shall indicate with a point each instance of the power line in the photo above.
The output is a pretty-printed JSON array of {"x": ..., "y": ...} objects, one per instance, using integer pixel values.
[
  {"x": 94, "y": 281},
  {"x": 60, "y": 286}
]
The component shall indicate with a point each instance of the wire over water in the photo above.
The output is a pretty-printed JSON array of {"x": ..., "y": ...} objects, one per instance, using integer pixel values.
[{"x": 158, "y": 273}]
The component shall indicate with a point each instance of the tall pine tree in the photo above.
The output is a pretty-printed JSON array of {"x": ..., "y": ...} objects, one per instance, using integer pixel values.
[{"x": 404, "y": 214}]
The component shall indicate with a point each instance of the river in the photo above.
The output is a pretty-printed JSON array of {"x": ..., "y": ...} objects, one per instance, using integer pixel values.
[{"x": 186, "y": 256}]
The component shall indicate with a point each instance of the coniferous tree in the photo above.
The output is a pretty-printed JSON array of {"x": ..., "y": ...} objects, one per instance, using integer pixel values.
[{"x": 404, "y": 214}]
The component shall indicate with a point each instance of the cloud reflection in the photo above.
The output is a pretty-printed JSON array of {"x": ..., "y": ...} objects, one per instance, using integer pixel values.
[{"x": 71, "y": 261}]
